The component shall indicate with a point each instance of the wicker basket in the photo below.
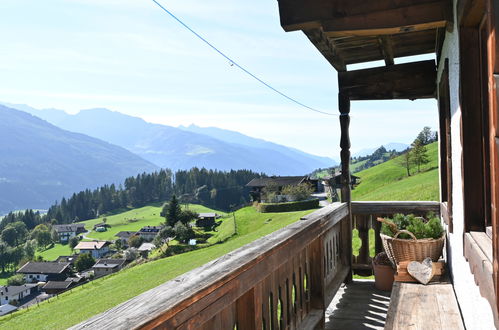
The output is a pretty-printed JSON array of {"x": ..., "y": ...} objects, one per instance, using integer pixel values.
[{"x": 412, "y": 250}]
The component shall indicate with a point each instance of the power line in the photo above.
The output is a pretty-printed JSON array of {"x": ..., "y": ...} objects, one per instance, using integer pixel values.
[{"x": 232, "y": 62}]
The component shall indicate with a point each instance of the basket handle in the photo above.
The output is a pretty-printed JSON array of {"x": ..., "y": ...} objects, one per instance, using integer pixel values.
[{"x": 405, "y": 232}]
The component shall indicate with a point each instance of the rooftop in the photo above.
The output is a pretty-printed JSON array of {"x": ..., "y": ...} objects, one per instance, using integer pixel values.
[
  {"x": 207, "y": 215},
  {"x": 94, "y": 245},
  {"x": 125, "y": 234},
  {"x": 74, "y": 227},
  {"x": 277, "y": 180},
  {"x": 109, "y": 263},
  {"x": 60, "y": 285},
  {"x": 147, "y": 247},
  {"x": 150, "y": 229},
  {"x": 43, "y": 267}
]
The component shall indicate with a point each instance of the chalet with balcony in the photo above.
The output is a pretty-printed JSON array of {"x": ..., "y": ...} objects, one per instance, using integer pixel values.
[{"x": 288, "y": 279}]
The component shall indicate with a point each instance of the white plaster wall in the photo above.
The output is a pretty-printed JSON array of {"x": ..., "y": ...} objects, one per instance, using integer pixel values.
[{"x": 475, "y": 309}]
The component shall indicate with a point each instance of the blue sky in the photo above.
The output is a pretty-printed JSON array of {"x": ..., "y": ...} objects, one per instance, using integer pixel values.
[{"x": 129, "y": 56}]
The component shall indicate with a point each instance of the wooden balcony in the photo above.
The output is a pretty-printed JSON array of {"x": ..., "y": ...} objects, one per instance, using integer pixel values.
[{"x": 285, "y": 280}]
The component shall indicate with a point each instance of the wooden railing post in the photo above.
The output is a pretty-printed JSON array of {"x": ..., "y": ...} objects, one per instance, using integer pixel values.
[
  {"x": 378, "y": 246},
  {"x": 362, "y": 259},
  {"x": 249, "y": 310},
  {"x": 317, "y": 287},
  {"x": 346, "y": 235}
]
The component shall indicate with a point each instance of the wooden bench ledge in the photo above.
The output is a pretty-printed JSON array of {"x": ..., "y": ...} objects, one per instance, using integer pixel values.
[{"x": 415, "y": 306}]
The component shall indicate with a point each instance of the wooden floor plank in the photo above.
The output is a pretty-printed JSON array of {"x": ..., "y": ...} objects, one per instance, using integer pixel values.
[
  {"x": 358, "y": 305},
  {"x": 415, "y": 306}
]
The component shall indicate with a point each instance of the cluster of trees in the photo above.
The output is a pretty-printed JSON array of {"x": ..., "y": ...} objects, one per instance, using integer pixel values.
[
  {"x": 416, "y": 155},
  {"x": 176, "y": 222},
  {"x": 18, "y": 244}
]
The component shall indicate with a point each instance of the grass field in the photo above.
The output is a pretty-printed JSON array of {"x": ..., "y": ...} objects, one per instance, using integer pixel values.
[
  {"x": 389, "y": 181},
  {"x": 52, "y": 253},
  {"x": 97, "y": 296}
]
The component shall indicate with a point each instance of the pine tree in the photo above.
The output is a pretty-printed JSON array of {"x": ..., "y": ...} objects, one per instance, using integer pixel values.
[{"x": 174, "y": 211}]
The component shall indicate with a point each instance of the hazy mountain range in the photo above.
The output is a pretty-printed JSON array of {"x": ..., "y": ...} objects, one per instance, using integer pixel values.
[
  {"x": 184, "y": 147},
  {"x": 48, "y": 153},
  {"x": 41, "y": 163}
]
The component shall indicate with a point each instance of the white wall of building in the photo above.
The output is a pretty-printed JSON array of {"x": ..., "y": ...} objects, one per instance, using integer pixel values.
[
  {"x": 34, "y": 278},
  {"x": 475, "y": 309}
]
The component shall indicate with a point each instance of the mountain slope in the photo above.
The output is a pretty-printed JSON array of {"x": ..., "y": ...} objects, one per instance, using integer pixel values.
[
  {"x": 241, "y": 139},
  {"x": 177, "y": 148},
  {"x": 42, "y": 163},
  {"x": 389, "y": 181}
]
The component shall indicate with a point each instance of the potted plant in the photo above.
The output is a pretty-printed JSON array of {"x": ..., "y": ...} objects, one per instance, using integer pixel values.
[
  {"x": 412, "y": 238},
  {"x": 383, "y": 272}
]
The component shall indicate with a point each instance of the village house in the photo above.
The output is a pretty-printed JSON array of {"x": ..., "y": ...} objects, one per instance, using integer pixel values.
[
  {"x": 66, "y": 231},
  {"x": 44, "y": 271},
  {"x": 259, "y": 184},
  {"x": 206, "y": 220},
  {"x": 145, "y": 248},
  {"x": 97, "y": 249},
  {"x": 13, "y": 294},
  {"x": 389, "y": 41},
  {"x": 148, "y": 233},
  {"x": 124, "y": 236},
  {"x": 105, "y": 267}
]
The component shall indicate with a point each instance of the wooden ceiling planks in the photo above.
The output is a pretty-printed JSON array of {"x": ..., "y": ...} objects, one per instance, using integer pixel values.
[{"x": 356, "y": 31}]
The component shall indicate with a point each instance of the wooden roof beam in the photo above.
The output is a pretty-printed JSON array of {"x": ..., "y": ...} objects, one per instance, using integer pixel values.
[
  {"x": 364, "y": 17},
  {"x": 387, "y": 49},
  {"x": 411, "y": 81}
]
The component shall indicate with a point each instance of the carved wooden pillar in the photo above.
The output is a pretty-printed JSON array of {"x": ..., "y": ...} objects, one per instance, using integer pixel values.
[{"x": 344, "y": 107}]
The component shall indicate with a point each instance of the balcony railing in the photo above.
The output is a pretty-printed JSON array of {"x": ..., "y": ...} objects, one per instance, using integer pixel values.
[
  {"x": 364, "y": 215},
  {"x": 284, "y": 280}
]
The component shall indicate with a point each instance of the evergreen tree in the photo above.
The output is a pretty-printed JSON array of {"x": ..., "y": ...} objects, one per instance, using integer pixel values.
[{"x": 174, "y": 212}]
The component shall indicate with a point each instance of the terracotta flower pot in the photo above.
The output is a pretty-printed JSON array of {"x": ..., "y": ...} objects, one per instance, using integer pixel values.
[{"x": 383, "y": 277}]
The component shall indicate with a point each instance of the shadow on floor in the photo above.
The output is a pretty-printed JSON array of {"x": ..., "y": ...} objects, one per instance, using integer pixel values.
[{"x": 358, "y": 305}]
